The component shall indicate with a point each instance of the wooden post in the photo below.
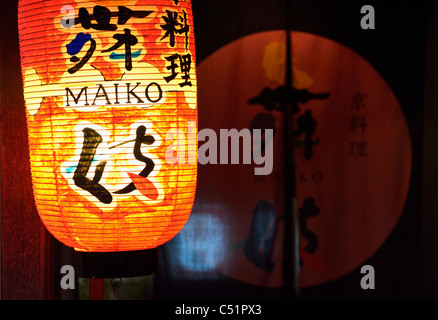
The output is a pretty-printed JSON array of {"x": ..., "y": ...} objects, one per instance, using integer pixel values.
[
  {"x": 25, "y": 243},
  {"x": 290, "y": 267}
]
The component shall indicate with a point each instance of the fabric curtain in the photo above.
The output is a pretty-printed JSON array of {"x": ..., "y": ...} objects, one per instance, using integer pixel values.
[{"x": 357, "y": 131}]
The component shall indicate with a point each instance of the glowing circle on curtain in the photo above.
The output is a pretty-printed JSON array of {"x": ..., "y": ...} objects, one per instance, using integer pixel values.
[
  {"x": 353, "y": 156},
  {"x": 109, "y": 86}
]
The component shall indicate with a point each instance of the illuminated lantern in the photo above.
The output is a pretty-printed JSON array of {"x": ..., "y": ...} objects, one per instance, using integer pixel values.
[{"x": 110, "y": 93}]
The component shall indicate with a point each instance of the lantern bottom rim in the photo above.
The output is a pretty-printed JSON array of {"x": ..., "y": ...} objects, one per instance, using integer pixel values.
[{"x": 121, "y": 264}]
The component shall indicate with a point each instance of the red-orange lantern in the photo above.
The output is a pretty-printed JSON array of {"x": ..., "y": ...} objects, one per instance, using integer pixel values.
[{"x": 110, "y": 89}]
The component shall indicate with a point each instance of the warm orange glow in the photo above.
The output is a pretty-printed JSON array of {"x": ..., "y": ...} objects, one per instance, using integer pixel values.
[{"x": 104, "y": 82}]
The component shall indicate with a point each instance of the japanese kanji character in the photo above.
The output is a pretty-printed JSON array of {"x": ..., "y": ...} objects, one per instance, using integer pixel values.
[
  {"x": 358, "y": 101},
  {"x": 140, "y": 139},
  {"x": 102, "y": 16},
  {"x": 358, "y": 122},
  {"x": 358, "y": 148},
  {"x": 185, "y": 66},
  {"x": 172, "y": 26},
  {"x": 172, "y": 67},
  {"x": 92, "y": 139}
]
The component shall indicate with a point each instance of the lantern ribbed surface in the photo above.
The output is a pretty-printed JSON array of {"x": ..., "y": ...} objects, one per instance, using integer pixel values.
[{"x": 110, "y": 93}]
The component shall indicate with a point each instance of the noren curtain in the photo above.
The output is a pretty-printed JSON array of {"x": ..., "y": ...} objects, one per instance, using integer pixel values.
[{"x": 356, "y": 102}]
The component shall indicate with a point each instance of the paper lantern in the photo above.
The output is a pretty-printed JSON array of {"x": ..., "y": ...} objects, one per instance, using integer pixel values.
[{"x": 110, "y": 93}]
